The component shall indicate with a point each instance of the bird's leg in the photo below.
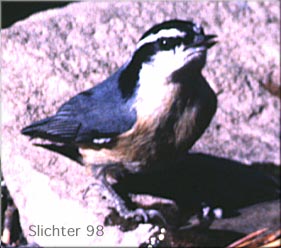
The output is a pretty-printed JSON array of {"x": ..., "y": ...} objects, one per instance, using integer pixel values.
[
  {"x": 98, "y": 171},
  {"x": 139, "y": 215}
]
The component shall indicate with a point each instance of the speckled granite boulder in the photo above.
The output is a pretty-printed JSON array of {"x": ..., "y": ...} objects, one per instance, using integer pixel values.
[{"x": 53, "y": 55}]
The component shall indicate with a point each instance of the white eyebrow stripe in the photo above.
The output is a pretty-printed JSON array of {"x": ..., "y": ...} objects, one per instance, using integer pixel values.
[{"x": 167, "y": 33}]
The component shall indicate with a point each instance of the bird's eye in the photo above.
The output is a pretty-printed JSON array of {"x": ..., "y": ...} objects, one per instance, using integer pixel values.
[{"x": 167, "y": 43}]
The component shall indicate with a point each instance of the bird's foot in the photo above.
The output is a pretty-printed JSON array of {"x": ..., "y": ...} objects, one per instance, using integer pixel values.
[
  {"x": 138, "y": 215},
  {"x": 141, "y": 215},
  {"x": 130, "y": 219}
]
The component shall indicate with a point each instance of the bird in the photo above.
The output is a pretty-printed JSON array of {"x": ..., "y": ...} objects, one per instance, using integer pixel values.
[{"x": 152, "y": 109}]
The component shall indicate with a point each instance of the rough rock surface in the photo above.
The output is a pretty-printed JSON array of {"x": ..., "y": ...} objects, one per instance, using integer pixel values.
[{"x": 53, "y": 55}]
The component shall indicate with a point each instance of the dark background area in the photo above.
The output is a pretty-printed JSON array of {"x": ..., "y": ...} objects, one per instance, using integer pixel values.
[{"x": 15, "y": 11}]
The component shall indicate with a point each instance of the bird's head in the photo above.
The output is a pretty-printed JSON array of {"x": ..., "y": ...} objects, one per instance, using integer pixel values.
[
  {"x": 171, "y": 45},
  {"x": 162, "y": 51}
]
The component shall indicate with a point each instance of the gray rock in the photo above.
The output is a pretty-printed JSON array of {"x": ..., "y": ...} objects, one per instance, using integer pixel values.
[{"x": 55, "y": 54}]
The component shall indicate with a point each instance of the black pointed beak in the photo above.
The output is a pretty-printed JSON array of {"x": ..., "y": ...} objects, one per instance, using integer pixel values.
[
  {"x": 208, "y": 40},
  {"x": 204, "y": 40}
]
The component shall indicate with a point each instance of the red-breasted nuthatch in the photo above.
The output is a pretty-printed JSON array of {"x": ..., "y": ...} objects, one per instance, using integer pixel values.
[{"x": 150, "y": 110}]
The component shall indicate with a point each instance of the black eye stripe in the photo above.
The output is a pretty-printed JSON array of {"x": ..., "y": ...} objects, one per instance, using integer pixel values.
[{"x": 169, "y": 43}]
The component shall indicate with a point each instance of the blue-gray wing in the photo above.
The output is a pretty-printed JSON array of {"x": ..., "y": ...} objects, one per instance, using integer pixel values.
[{"x": 100, "y": 112}]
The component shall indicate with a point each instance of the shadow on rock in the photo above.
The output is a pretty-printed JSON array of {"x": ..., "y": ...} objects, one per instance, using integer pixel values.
[{"x": 198, "y": 181}]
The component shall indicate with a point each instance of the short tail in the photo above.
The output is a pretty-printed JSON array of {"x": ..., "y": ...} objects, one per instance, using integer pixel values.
[
  {"x": 54, "y": 129},
  {"x": 36, "y": 129}
]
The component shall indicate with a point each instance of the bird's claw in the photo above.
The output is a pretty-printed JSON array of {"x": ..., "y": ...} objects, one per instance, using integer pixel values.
[
  {"x": 89, "y": 188},
  {"x": 141, "y": 215}
]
